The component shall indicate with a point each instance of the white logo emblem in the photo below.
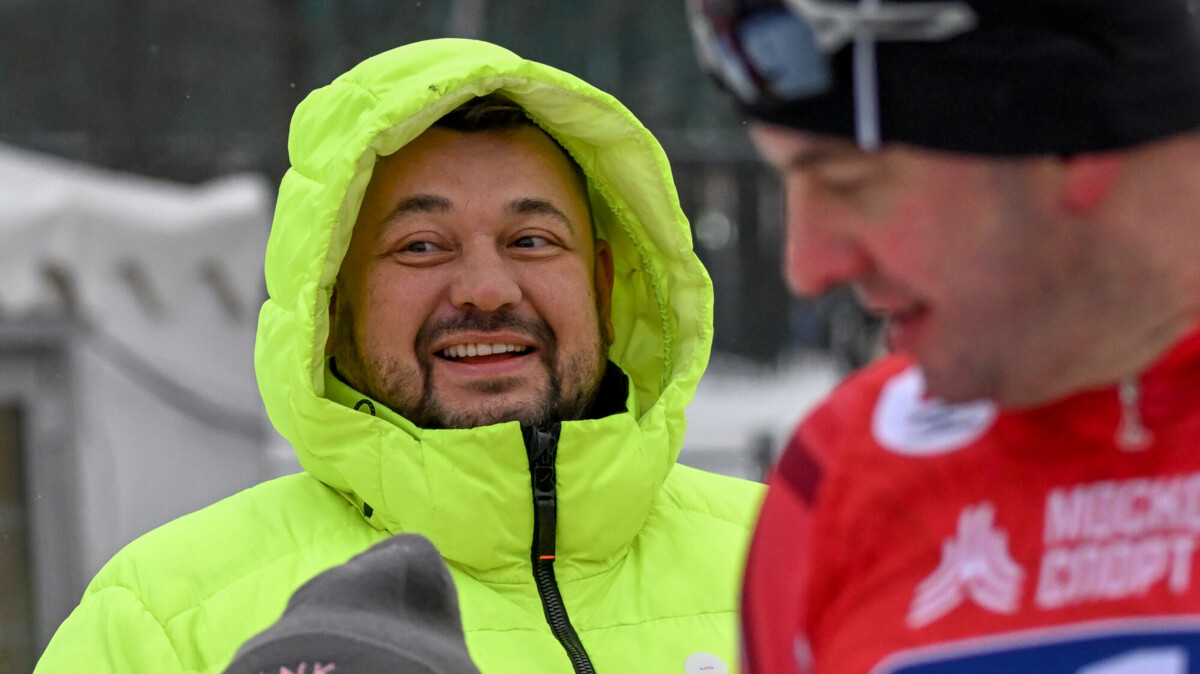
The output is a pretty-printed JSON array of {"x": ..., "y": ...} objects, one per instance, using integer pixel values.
[
  {"x": 975, "y": 564},
  {"x": 704, "y": 663},
  {"x": 908, "y": 423}
]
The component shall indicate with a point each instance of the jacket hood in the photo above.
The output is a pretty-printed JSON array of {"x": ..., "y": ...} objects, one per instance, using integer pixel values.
[{"x": 662, "y": 296}]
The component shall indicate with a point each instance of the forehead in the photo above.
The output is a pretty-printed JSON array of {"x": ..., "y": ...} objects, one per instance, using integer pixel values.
[
  {"x": 786, "y": 148},
  {"x": 493, "y": 162},
  {"x": 492, "y": 170}
]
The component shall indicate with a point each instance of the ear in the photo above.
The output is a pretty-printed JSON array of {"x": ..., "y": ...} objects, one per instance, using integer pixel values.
[
  {"x": 332, "y": 322},
  {"x": 604, "y": 285},
  {"x": 1089, "y": 179}
]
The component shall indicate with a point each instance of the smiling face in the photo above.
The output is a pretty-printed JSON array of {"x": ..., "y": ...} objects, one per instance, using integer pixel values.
[
  {"x": 473, "y": 291},
  {"x": 983, "y": 277}
]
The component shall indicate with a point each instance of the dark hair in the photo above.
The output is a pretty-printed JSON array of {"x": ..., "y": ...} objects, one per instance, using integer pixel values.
[
  {"x": 496, "y": 112},
  {"x": 493, "y": 112}
]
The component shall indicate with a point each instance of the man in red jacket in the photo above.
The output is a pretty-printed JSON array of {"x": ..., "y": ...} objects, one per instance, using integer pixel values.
[{"x": 1015, "y": 187}]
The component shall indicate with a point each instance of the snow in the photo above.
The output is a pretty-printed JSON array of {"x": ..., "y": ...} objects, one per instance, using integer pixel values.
[{"x": 744, "y": 413}]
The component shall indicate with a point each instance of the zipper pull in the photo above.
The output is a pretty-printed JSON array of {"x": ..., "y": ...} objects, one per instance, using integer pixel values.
[
  {"x": 541, "y": 443},
  {"x": 1132, "y": 434}
]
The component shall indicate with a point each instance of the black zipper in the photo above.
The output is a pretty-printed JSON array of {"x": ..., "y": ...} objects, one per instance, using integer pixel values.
[{"x": 541, "y": 445}]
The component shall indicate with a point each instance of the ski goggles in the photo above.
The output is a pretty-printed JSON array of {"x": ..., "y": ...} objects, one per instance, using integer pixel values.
[{"x": 770, "y": 53}]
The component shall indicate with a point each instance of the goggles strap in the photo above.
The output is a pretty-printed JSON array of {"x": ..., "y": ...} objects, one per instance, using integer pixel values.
[{"x": 866, "y": 83}]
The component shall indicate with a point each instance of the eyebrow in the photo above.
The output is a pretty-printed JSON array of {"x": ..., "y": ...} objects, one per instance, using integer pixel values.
[
  {"x": 534, "y": 206},
  {"x": 815, "y": 155},
  {"x": 433, "y": 203},
  {"x": 419, "y": 203}
]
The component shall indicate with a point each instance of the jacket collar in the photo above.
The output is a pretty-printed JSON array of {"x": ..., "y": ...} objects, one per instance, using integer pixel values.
[
  {"x": 468, "y": 490},
  {"x": 1163, "y": 396}
]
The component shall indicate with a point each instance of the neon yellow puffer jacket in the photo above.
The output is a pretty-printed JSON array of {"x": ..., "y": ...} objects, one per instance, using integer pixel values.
[{"x": 649, "y": 553}]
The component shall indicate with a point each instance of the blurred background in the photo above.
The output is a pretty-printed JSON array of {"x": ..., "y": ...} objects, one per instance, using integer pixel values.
[{"x": 141, "y": 142}]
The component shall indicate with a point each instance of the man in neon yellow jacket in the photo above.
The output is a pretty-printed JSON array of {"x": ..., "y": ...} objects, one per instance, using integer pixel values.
[{"x": 544, "y": 472}]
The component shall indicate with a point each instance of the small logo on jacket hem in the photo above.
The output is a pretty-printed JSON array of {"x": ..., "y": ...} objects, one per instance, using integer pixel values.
[{"x": 704, "y": 663}]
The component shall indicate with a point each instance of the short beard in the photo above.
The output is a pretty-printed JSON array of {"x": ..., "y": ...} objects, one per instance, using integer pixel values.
[{"x": 569, "y": 394}]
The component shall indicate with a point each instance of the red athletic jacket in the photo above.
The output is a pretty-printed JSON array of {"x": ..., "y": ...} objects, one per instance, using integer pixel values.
[{"x": 905, "y": 535}]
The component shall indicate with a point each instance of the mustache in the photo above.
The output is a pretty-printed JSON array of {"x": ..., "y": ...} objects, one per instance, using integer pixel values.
[{"x": 486, "y": 321}]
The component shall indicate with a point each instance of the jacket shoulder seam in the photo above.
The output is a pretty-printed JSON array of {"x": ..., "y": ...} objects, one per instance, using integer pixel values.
[
  {"x": 616, "y": 625},
  {"x": 257, "y": 569},
  {"x": 677, "y": 616},
  {"x": 159, "y": 621},
  {"x": 249, "y": 572},
  {"x": 746, "y": 525}
]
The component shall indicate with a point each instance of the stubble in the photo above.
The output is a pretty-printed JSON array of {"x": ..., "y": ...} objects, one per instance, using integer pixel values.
[{"x": 570, "y": 387}]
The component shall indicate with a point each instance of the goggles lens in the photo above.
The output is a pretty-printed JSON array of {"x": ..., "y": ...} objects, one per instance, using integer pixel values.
[
  {"x": 768, "y": 55},
  {"x": 778, "y": 51},
  {"x": 785, "y": 55}
]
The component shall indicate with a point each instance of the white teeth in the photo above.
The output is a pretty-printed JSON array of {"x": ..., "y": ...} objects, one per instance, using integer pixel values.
[{"x": 466, "y": 350}]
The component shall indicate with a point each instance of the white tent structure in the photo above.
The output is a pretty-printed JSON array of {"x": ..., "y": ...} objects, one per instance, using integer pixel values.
[{"x": 127, "y": 394}]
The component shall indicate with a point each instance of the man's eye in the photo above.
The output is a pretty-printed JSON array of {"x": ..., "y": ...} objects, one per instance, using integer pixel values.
[
  {"x": 844, "y": 177},
  {"x": 845, "y": 187},
  {"x": 531, "y": 242},
  {"x": 420, "y": 247}
]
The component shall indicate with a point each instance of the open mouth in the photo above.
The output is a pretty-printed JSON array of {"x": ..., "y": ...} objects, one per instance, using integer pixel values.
[
  {"x": 904, "y": 328},
  {"x": 909, "y": 314},
  {"x": 482, "y": 352}
]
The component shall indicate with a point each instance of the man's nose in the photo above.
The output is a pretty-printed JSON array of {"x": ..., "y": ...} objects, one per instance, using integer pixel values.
[
  {"x": 820, "y": 253},
  {"x": 486, "y": 281}
]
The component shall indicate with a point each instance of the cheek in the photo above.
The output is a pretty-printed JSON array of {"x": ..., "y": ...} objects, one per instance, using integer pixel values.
[
  {"x": 909, "y": 245},
  {"x": 393, "y": 312},
  {"x": 566, "y": 298},
  {"x": 939, "y": 240}
]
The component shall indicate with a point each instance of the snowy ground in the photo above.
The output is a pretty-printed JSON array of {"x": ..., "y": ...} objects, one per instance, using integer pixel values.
[{"x": 743, "y": 412}]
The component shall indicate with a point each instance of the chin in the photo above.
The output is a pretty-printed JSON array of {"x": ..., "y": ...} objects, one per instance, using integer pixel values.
[
  {"x": 953, "y": 387},
  {"x": 498, "y": 412}
]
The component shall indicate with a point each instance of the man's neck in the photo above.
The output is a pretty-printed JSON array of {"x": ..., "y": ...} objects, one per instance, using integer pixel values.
[{"x": 612, "y": 394}]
